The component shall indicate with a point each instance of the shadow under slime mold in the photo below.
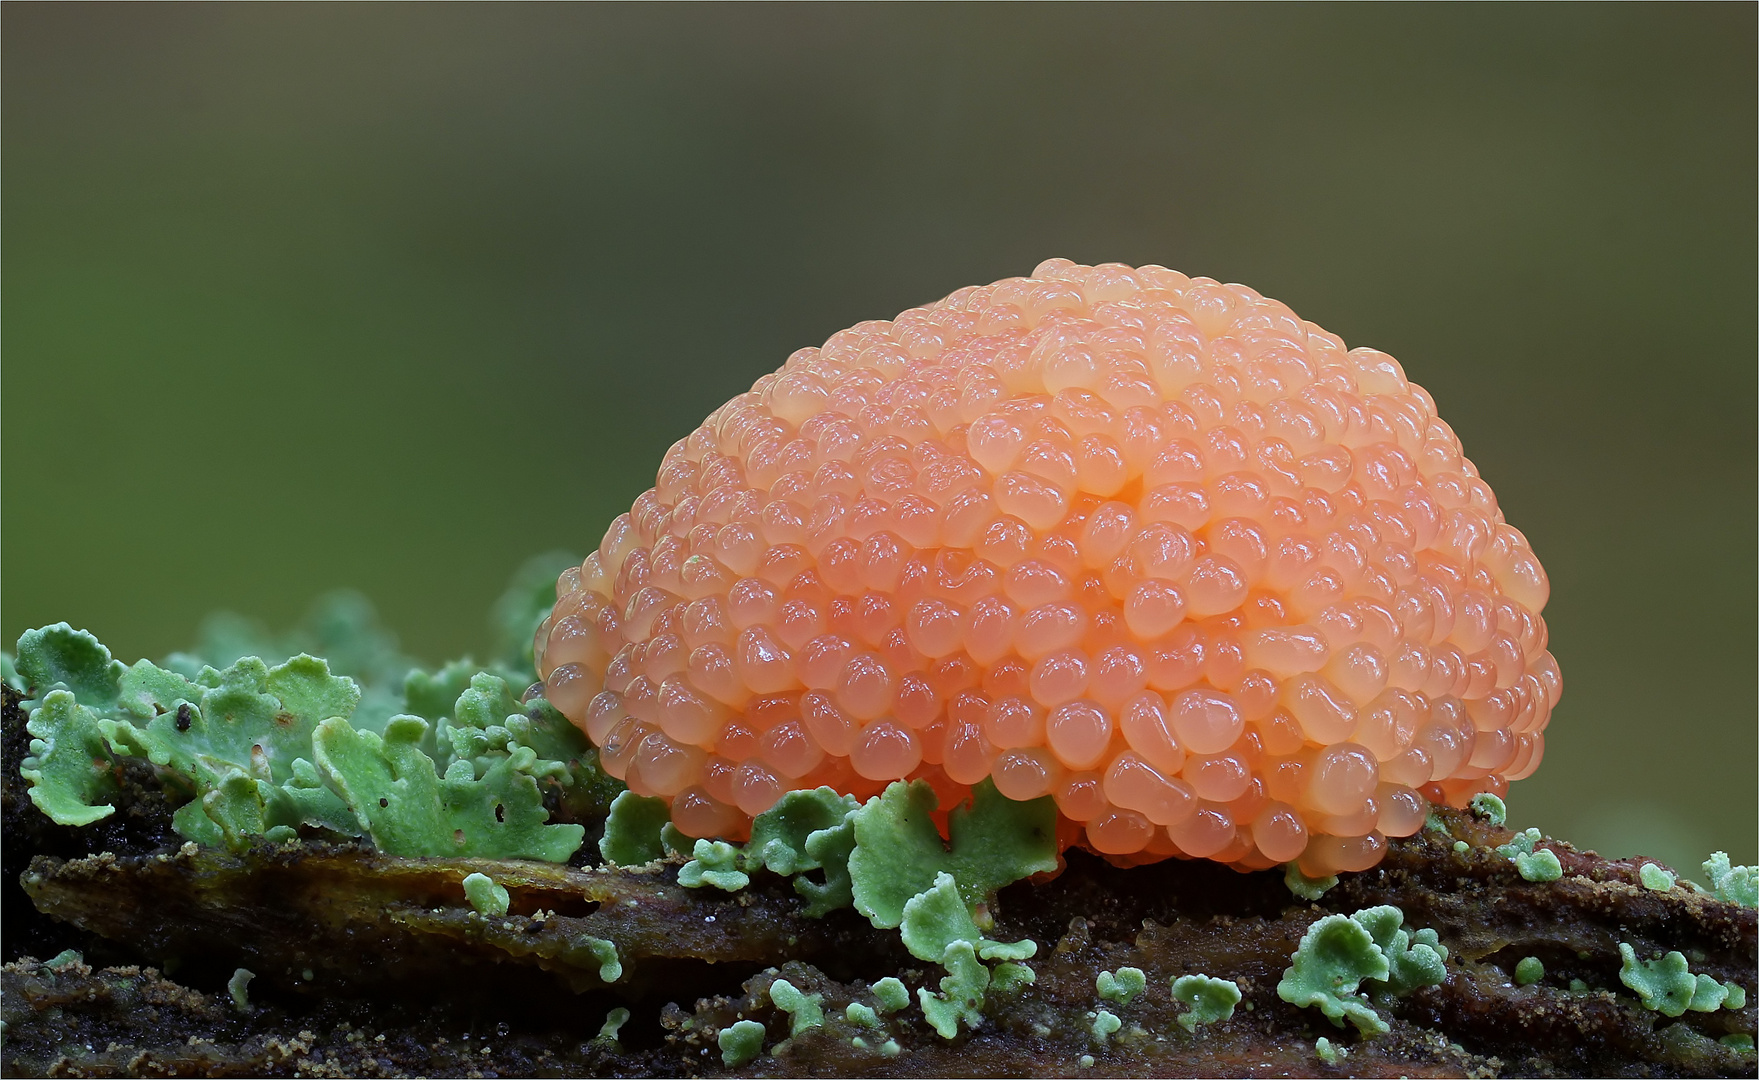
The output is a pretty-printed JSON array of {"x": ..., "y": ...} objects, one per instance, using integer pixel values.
[{"x": 355, "y": 868}]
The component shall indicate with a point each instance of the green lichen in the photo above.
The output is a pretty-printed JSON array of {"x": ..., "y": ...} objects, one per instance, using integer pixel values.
[
  {"x": 1521, "y": 844},
  {"x": 898, "y": 852},
  {"x": 262, "y": 752},
  {"x": 1735, "y": 884},
  {"x": 1654, "y": 876},
  {"x": 614, "y": 1021},
  {"x": 432, "y": 696},
  {"x": 779, "y": 834},
  {"x": 961, "y": 996},
  {"x": 485, "y": 895},
  {"x": 68, "y": 767},
  {"x": 1414, "y": 959},
  {"x": 1530, "y": 970},
  {"x": 1334, "y": 957},
  {"x": 1461, "y": 847},
  {"x": 1541, "y": 865},
  {"x": 887, "y": 1049},
  {"x": 938, "y": 927},
  {"x": 1328, "y": 1051},
  {"x": 857, "y": 1013},
  {"x": 740, "y": 1043},
  {"x": 1740, "y": 1044},
  {"x": 585, "y": 948},
  {"x": 342, "y": 627},
  {"x": 936, "y": 918},
  {"x": 9, "y": 674},
  {"x": 1010, "y": 978},
  {"x": 64, "y": 958},
  {"x": 1339, "y": 953},
  {"x": 1207, "y": 1000},
  {"x": 1121, "y": 987},
  {"x": 408, "y": 809},
  {"x": 891, "y": 994},
  {"x": 632, "y": 830},
  {"x": 805, "y": 1011},
  {"x": 716, "y": 863},
  {"x": 1490, "y": 808},
  {"x": 1086, "y": 1061},
  {"x": 72, "y": 659},
  {"x": 238, "y": 986},
  {"x": 488, "y": 722},
  {"x": 1305, "y": 887},
  {"x": 1666, "y": 985},
  {"x": 807, "y": 831},
  {"x": 1103, "y": 1026}
]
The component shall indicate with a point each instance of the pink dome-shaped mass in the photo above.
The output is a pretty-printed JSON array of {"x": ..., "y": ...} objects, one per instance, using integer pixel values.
[{"x": 1149, "y": 544}]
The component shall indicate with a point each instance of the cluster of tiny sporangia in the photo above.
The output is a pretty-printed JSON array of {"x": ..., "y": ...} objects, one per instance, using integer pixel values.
[{"x": 1148, "y": 544}]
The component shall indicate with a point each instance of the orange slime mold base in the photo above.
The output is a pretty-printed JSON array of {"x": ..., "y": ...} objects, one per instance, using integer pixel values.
[{"x": 1149, "y": 544}]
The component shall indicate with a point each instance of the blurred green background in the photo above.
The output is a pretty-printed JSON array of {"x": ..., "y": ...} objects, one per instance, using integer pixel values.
[{"x": 392, "y": 296}]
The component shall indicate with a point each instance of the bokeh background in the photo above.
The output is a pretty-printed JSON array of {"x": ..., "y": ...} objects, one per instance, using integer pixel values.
[{"x": 392, "y": 296}]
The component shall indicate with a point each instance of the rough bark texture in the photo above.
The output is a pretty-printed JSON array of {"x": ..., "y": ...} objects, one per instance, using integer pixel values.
[{"x": 367, "y": 965}]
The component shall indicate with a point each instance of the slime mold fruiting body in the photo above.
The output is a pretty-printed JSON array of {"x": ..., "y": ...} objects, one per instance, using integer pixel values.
[{"x": 1148, "y": 544}]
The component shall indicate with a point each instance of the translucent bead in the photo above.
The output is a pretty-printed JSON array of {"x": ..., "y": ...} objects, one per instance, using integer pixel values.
[
  {"x": 1217, "y": 584},
  {"x": 603, "y": 713},
  {"x": 866, "y": 688},
  {"x": 968, "y": 754},
  {"x": 1360, "y": 671},
  {"x": 1079, "y": 733},
  {"x": 1119, "y": 832},
  {"x": 1028, "y": 774},
  {"x": 1205, "y": 722},
  {"x": 1134, "y": 784},
  {"x": 1106, "y": 533},
  {"x": 569, "y": 688},
  {"x": 1219, "y": 779},
  {"x": 1059, "y": 677},
  {"x": 1080, "y": 797},
  {"x": 790, "y": 749},
  {"x": 1328, "y": 855},
  {"x": 1013, "y": 722},
  {"x": 1147, "y": 727},
  {"x": 755, "y": 788},
  {"x": 1341, "y": 778},
  {"x": 935, "y": 628},
  {"x": 688, "y": 717},
  {"x": 1204, "y": 832},
  {"x": 666, "y": 767},
  {"x": 830, "y": 727},
  {"x": 618, "y": 750},
  {"x": 1402, "y": 810},
  {"x": 1153, "y": 608},
  {"x": 573, "y": 640},
  {"x": 1049, "y": 628},
  {"x": 1279, "y": 832},
  {"x": 1325, "y": 715},
  {"x": 698, "y": 814},
  {"x": 885, "y": 751},
  {"x": 1412, "y": 769}
]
